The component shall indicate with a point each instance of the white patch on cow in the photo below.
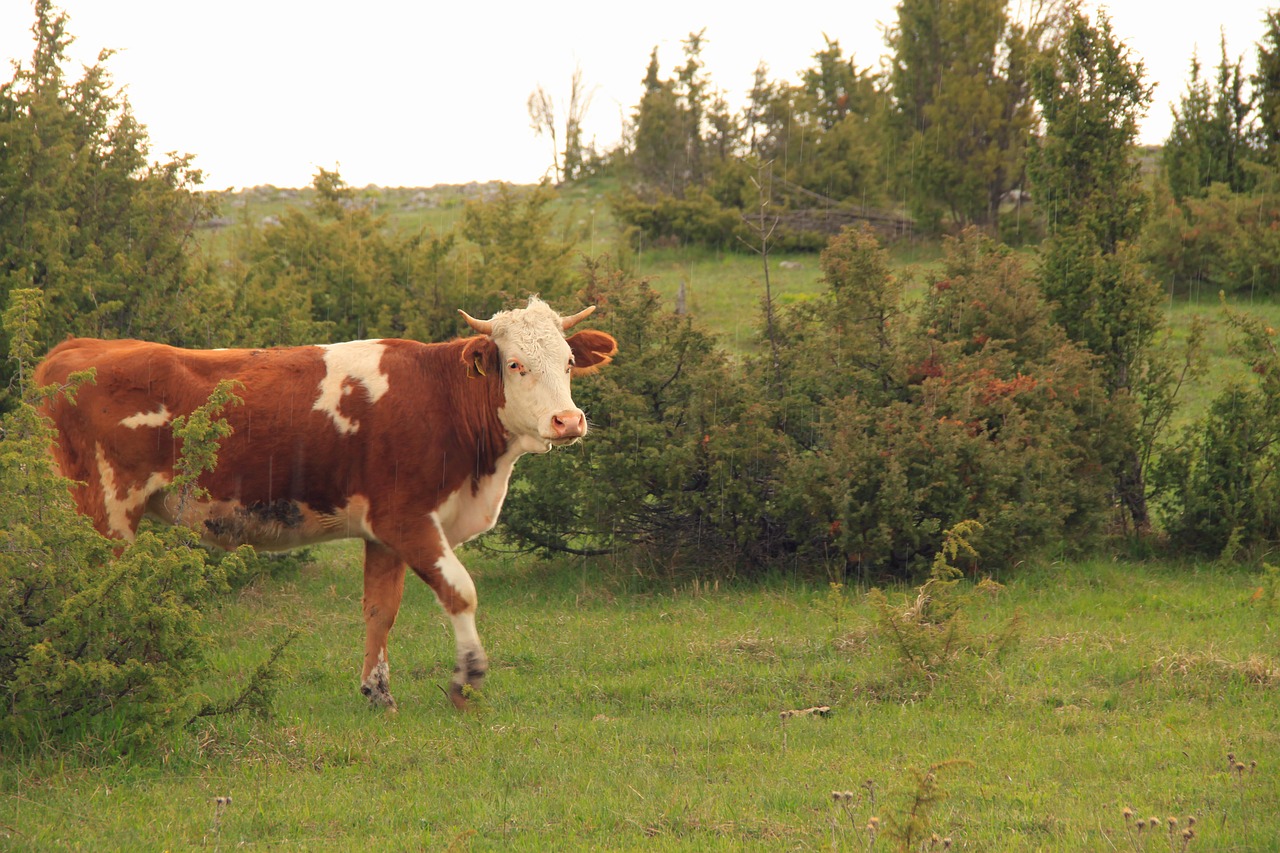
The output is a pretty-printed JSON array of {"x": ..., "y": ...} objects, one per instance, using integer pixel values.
[
  {"x": 464, "y": 630},
  {"x": 148, "y": 419},
  {"x": 470, "y": 654},
  {"x": 120, "y": 508},
  {"x": 357, "y": 361},
  {"x": 451, "y": 569},
  {"x": 464, "y": 515}
]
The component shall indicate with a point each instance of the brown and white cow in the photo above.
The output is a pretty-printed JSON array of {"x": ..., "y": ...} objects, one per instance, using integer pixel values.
[{"x": 408, "y": 446}]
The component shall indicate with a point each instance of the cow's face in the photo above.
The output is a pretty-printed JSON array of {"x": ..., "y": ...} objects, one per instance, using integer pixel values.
[{"x": 536, "y": 362}]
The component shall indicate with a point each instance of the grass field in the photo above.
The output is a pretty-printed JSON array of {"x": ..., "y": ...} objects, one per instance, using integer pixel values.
[
  {"x": 622, "y": 713},
  {"x": 629, "y": 711}
]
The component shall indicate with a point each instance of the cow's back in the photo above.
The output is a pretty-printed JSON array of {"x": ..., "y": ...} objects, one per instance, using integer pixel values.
[{"x": 116, "y": 439}]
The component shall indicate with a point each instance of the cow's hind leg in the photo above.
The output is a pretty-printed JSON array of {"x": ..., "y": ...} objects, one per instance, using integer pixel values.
[
  {"x": 383, "y": 588},
  {"x": 453, "y": 586}
]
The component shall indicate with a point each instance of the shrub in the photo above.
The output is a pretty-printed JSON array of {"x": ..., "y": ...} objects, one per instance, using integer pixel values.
[
  {"x": 1218, "y": 487},
  {"x": 678, "y": 440},
  {"x": 695, "y": 218},
  {"x": 1212, "y": 484},
  {"x": 97, "y": 638},
  {"x": 931, "y": 631},
  {"x": 1224, "y": 241},
  {"x": 979, "y": 410},
  {"x": 337, "y": 272},
  {"x": 519, "y": 252}
]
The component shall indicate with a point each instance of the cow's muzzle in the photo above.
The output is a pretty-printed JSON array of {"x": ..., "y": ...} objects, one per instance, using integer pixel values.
[{"x": 568, "y": 426}]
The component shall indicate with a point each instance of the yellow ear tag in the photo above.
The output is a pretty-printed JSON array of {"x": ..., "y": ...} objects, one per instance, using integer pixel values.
[{"x": 479, "y": 369}]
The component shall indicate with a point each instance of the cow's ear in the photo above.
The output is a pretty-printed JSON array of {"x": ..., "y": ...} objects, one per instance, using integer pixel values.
[
  {"x": 592, "y": 350},
  {"x": 480, "y": 355}
]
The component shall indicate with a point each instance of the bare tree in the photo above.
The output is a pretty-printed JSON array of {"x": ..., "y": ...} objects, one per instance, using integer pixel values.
[
  {"x": 579, "y": 102},
  {"x": 542, "y": 118},
  {"x": 763, "y": 224},
  {"x": 567, "y": 164}
]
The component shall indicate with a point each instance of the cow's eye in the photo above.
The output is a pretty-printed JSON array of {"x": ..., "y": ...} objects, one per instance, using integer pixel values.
[
  {"x": 568, "y": 367},
  {"x": 515, "y": 365}
]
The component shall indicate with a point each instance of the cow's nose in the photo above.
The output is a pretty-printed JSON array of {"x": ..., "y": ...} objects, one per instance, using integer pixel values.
[{"x": 569, "y": 424}]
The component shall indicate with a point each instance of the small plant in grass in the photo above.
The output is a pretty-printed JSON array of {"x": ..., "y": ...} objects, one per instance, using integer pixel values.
[
  {"x": 846, "y": 802},
  {"x": 258, "y": 694},
  {"x": 1267, "y": 592},
  {"x": 834, "y": 605},
  {"x": 909, "y": 829},
  {"x": 931, "y": 631},
  {"x": 1241, "y": 774}
]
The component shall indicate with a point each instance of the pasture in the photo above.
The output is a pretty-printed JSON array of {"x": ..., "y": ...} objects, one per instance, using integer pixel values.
[
  {"x": 634, "y": 709},
  {"x": 627, "y": 711}
]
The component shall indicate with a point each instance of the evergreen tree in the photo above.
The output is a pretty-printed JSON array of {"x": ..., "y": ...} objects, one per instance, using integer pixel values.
[
  {"x": 822, "y": 135},
  {"x": 962, "y": 106},
  {"x": 692, "y": 157},
  {"x": 656, "y": 140},
  {"x": 1088, "y": 184},
  {"x": 106, "y": 235},
  {"x": 1092, "y": 95},
  {"x": 1266, "y": 88},
  {"x": 1209, "y": 141},
  {"x": 669, "y": 148},
  {"x": 693, "y": 87}
]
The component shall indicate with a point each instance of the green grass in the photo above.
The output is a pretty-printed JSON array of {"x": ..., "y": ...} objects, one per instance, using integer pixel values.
[
  {"x": 623, "y": 713},
  {"x": 725, "y": 291},
  {"x": 1220, "y": 365},
  {"x": 434, "y": 209}
]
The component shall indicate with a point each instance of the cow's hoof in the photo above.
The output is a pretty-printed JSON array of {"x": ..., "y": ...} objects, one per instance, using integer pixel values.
[
  {"x": 379, "y": 697},
  {"x": 377, "y": 686},
  {"x": 460, "y": 695}
]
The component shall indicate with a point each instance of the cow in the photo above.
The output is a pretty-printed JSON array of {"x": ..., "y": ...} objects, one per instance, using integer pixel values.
[{"x": 409, "y": 446}]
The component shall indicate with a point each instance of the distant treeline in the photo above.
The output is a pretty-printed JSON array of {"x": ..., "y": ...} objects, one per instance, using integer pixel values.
[{"x": 944, "y": 136}]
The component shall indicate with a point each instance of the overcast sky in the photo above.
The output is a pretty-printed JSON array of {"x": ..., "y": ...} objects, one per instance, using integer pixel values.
[{"x": 421, "y": 92}]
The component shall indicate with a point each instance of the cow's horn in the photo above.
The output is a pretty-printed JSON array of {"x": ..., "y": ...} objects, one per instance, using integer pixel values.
[
  {"x": 568, "y": 323},
  {"x": 484, "y": 327}
]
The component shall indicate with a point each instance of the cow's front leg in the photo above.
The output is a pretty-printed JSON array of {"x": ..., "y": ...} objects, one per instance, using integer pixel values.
[
  {"x": 432, "y": 558},
  {"x": 471, "y": 664},
  {"x": 383, "y": 589}
]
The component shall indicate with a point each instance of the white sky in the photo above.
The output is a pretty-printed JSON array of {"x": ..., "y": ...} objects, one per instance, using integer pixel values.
[{"x": 421, "y": 92}]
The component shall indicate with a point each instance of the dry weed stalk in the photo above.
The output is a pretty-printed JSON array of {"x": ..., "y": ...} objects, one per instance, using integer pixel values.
[
  {"x": 220, "y": 805},
  {"x": 1140, "y": 830},
  {"x": 1240, "y": 773}
]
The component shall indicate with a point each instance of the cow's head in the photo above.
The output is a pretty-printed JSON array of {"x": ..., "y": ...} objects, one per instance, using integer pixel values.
[{"x": 529, "y": 348}]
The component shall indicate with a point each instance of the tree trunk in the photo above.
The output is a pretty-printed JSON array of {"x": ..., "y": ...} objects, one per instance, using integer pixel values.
[{"x": 1132, "y": 490}]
